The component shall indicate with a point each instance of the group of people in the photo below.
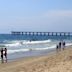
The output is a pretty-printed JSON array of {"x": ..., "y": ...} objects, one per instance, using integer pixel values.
[
  {"x": 3, "y": 54},
  {"x": 61, "y": 45}
]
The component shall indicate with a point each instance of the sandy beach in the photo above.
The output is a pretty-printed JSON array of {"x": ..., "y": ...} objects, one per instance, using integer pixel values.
[{"x": 55, "y": 62}]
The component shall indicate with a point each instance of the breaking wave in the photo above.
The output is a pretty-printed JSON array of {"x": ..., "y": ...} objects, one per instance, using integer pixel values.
[{"x": 18, "y": 45}]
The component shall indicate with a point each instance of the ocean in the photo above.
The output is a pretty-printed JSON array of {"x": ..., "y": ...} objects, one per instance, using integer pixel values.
[{"x": 30, "y": 45}]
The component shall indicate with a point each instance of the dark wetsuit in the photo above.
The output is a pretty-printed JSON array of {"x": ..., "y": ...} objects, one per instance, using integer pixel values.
[
  {"x": 59, "y": 44},
  {"x": 63, "y": 45},
  {"x": 2, "y": 55},
  {"x": 5, "y": 54},
  {"x": 57, "y": 47}
]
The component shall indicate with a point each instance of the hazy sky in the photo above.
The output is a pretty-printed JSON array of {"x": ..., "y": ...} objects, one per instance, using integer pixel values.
[{"x": 35, "y": 15}]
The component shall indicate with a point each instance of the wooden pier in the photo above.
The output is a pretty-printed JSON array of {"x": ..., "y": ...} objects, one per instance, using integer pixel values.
[{"x": 43, "y": 33}]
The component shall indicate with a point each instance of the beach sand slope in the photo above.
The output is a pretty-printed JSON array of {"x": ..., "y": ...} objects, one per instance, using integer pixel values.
[{"x": 56, "y": 62}]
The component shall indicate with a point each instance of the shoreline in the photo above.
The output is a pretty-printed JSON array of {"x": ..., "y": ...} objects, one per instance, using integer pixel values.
[
  {"x": 29, "y": 54},
  {"x": 50, "y": 53},
  {"x": 21, "y": 55},
  {"x": 54, "y": 62},
  {"x": 18, "y": 56}
]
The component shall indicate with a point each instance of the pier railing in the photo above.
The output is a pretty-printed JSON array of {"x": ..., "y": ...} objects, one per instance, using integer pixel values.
[{"x": 43, "y": 33}]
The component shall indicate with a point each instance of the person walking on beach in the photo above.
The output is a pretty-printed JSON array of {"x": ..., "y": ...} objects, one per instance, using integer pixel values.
[
  {"x": 2, "y": 60},
  {"x": 5, "y": 53}
]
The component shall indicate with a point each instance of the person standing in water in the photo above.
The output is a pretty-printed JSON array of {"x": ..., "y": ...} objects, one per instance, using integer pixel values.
[
  {"x": 57, "y": 47},
  {"x": 60, "y": 46},
  {"x": 2, "y": 60},
  {"x": 5, "y": 53},
  {"x": 63, "y": 45}
]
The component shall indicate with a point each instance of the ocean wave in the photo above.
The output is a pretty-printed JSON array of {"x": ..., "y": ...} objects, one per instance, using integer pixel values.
[
  {"x": 23, "y": 42},
  {"x": 30, "y": 49},
  {"x": 14, "y": 44},
  {"x": 37, "y": 42},
  {"x": 17, "y": 50},
  {"x": 34, "y": 49},
  {"x": 69, "y": 44},
  {"x": 25, "y": 45}
]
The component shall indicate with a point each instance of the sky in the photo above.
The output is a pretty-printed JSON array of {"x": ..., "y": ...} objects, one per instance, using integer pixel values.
[{"x": 35, "y": 15}]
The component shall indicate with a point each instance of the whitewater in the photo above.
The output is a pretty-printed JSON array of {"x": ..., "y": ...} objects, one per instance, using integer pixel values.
[{"x": 16, "y": 46}]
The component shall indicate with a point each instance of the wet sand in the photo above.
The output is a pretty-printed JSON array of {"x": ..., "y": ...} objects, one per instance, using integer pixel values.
[{"x": 55, "y": 62}]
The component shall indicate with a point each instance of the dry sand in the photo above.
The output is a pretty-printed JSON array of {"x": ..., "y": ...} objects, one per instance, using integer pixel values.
[{"x": 57, "y": 62}]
